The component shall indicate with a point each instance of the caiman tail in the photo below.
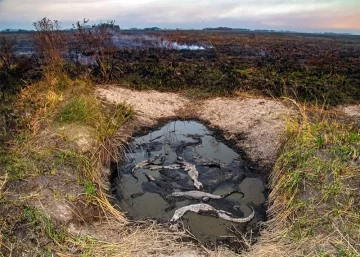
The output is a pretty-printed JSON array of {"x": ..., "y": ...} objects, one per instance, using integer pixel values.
[{"x": 232, "y": 192}]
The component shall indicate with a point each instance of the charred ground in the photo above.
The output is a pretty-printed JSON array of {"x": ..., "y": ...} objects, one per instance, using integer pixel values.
[{"x": 311, "y": 68}]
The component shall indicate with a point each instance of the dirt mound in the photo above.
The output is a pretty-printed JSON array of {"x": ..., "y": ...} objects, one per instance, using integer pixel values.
[
  {"x": 149, "y": 105},
  {"x": 352, "y": 110},
  {"x": 256, "y": 125}
]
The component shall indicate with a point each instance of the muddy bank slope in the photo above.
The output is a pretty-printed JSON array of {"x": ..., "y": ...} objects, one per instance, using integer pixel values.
[{"x": 255, "y": 125}]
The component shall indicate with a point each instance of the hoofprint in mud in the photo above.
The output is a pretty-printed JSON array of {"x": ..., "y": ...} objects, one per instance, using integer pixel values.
[{"x": 206, "y": 209}]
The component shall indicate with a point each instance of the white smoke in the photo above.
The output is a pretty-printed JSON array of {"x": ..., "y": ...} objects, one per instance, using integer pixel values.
[
  {"x": 82, "y": 59},
  {"x": 143, "y": 41},
  {"x": 175, "y": 45}
]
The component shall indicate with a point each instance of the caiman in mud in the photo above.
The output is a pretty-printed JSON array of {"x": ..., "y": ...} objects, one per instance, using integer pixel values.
[
  {"x": 208, "y": 210},
  {"x": 143, "y": 164},
  {"x": 199, "y": 195},
  {"x": 192, "y": 172}
]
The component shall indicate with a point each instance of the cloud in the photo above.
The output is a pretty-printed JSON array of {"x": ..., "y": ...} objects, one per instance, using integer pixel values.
[{"x": 289, "y": 14}]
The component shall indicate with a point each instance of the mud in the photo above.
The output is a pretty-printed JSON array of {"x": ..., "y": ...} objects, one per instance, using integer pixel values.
[
  {"x": 221, "y": 170},
  {"x": 254, "y": 126}
]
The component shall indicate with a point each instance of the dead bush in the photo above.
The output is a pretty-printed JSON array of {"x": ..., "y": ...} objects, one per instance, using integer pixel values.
[
  {"x": 97, "y": 41},
  {"x": 7, "y": 56},
  {"x": 50, "y": 44}
]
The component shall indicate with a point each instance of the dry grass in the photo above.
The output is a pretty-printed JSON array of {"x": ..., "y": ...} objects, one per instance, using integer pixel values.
[
  {"x": 50, "y": 42},
  {"x": 75, "y": 104},
  {"x": 314, "y": 203},
  {"x": 3, "y": 181},
  {"x": 146, "y": 239},
  {"x": 314, "y": 206},
  {"x": 38, "y": 151},
  {"x": 137, "y": 240}
]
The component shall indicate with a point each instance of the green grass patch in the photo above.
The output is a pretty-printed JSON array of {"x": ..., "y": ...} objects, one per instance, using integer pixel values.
[
  {"x": 90, "y": 188},
  {"x": 318, "y": 175},
  {"x": 38, "y": 221},
  {"x": 81, "y": 109},
  {"x": 71, "y": 159},
  {"x": 87, "y": 110}
]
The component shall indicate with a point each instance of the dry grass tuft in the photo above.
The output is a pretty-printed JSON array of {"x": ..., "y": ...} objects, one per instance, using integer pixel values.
[
  {"x": 41, "y": 152},
  {"x": 136, "y": 240},
  {"x": 314, "y": 204},
  {"x": 3, "y": 181}
]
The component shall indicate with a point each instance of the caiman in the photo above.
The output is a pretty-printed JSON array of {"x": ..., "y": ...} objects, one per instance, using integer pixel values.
[
  {"x": 144, "y": 163},
  {"x": 199, "y": 195},
  {"x": 208, "y": 210},
  {"x": 192, "y": 172}
]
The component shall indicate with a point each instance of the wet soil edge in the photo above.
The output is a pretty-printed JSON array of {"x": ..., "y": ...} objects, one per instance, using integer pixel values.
[{"x": 218, "y": 133}]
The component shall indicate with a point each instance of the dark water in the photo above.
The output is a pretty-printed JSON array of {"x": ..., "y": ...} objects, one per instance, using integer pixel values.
[{"x": 196, "y": 144}]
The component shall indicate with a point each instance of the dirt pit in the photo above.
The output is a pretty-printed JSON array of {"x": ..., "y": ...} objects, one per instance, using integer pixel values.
[{"x": 145, "y": 192}]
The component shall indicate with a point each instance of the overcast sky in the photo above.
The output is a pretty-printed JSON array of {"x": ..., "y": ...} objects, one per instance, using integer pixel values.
[{"x": 300, "y": 15}]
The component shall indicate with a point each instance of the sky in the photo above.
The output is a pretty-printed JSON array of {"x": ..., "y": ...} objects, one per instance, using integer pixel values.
[{"x": 300, "y": 15}]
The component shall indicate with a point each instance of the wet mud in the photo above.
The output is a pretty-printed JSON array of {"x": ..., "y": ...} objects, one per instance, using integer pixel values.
[{"x": 144, "y": 193}]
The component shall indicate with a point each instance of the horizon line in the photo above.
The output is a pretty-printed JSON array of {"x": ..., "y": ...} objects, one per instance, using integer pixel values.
[{"x": 220, "y": 28}]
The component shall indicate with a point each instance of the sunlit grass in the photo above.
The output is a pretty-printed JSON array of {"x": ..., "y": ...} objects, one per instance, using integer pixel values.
[{"x": 315, "y": 186}]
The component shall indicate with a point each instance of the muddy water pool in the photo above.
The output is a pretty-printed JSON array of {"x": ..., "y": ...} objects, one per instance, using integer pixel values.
[{"x": 221, "y": 170}]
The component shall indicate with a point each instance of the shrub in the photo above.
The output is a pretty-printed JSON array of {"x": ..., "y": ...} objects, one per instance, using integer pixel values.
[
  {"x": 50, "y": 42},
  {"x": 7, "y": 56},
  {"x": 97, "y": 40}
]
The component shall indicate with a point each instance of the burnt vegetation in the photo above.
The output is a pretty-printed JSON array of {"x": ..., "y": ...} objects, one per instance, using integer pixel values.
[
  {"x": 50, "y": 44},
  {"x": 308, "y": 68},
  {"x": 305, "y": 68},
  {"x": 96, "y": 41},
  {"x": 14, "y": 70}
]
